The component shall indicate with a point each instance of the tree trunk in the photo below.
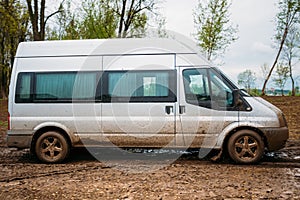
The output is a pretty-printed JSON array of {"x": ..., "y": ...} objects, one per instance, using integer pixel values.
[
  {"x": 42, "y": 20},
  {"x": 292, "y": 78},
  {"x": 35, "y": 22},
  {"x": 276, "y": 60},
  {"x": 38, "y": 34},
  {"x": 130, "y": 15},
  {"x": 1, "y": 64},
  {"x": 122, "y": 19}
]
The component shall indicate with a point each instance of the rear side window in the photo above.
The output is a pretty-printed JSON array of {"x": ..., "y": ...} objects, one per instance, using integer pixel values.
[
  {"x": 140, "y": 86},
  {"x": 61, "y": 87},
  {"x": 110, "y": 86},
  {"x": 24, "y": 88}
]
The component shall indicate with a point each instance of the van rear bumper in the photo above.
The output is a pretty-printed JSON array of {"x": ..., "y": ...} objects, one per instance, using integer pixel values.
[
  {"x": 19, "y": 139},
  {"x": 276, "y": 137}
]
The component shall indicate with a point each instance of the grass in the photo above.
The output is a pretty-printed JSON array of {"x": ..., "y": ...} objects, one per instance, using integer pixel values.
[
  {"x": 3, "y": 114},
  {"x": 3, "y": 123}
]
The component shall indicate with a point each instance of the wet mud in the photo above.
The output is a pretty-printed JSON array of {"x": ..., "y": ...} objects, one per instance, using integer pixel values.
[{"x": 82, "y": 176}]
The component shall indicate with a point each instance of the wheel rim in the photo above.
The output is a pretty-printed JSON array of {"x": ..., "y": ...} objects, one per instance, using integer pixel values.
[
  {"x": 51, "y": 148},
  {"x": 246, "y": 148}
]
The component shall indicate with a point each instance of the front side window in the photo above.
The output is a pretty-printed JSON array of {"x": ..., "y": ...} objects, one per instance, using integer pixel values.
[
  {"x": 141, "y": 86},
  {"x": 196, "y": 86},
  {"x": 222, "y": 94},
  {"x": 205, "y": 88}
]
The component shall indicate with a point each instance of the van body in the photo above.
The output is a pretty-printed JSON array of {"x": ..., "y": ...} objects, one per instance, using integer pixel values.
[{"x": 145, "y": 93}]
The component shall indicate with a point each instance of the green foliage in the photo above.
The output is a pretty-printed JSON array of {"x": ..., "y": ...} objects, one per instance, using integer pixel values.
[
  {"x": 103, "y": 19},
  {"x": 3, "y": 124},
  {"x": 255, "y": 92},
  {"x": 247, "y": 79},
  {"x": 67, "y": 25},
  {"x": 138, "y": 25},
  {"x": 98, "y": 20},
  {"x": 214, "y": 31},
  {"x": 297, "y": 90},
  {"x": 13, "y": 26},
  {"x": 282, "y": 74},
  {"x": 287, "y": 18},
  {"x": 93, "y": 19},
  {"x": 132, "y": 16}
]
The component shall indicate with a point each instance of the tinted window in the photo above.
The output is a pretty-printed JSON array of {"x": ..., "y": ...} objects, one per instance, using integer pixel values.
[
  {"x": 222, "y": 94},
  {"x": 24, "y": 88},
  {"x": 62, "y": 86},
  {"x": 196, "y": 87},
  {"x": 206, "y": 88},
  {"x": 65, "y": 86},
  {"x": 141, "y": 86}
]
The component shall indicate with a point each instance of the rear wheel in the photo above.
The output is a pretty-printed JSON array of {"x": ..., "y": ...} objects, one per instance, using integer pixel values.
[
  {"x": 52, "y": 147},
  {"x": 245, "y": 147}
]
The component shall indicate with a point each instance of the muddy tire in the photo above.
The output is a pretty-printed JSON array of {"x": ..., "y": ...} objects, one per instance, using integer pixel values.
[
  {"x": 52, "y": 147},
  {"x": 245, "y": 147}
]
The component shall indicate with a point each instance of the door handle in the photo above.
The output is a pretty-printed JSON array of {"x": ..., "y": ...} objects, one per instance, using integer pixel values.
[
  {"x": 181, "y": 109},
  {"x": 169, "y": 110}
]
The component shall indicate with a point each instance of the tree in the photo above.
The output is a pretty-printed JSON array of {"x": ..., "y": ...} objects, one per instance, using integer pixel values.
[
  {"x": 291, "y": 51},
  {"x": 98, "y": 20},
  {"x": 13, "y": 30},
  {"x": 265, "y": 68},
  {"x": 282, "y": 73},
  {"x": 38, "y": 19},
  {"x": 66, "y": 26},
  {"x": 287, "y": 17},
  {"x": 161, "y": 29},
  {"x": 106, "y": 19},
  {"x": 247, "y": 79},
  {"x": 214, "y": 31},
  {"x": 132, "y": 16},
  {"x": 297, "y": 89},
  {"x": 93, "y": 19}
]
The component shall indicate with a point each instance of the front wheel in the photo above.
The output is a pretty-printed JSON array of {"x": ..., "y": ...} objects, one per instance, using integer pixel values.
[
  {"x": 245, "y": 147},
  {"x": 52, "y": 147}
]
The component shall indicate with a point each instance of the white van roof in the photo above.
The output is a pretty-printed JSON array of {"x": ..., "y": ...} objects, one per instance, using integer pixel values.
[{"x": 94, "y": 47}]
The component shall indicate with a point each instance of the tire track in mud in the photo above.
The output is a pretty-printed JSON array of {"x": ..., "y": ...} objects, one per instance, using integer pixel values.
[
  {"x": 280, "y": 164},
  {"x": 55, "y": 172},
  {"x": 99, "y": 166},
  {"x": 18, "y": 165}
]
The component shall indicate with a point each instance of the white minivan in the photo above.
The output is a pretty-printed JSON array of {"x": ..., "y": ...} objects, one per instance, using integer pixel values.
[{"x": 137, "y": 93}]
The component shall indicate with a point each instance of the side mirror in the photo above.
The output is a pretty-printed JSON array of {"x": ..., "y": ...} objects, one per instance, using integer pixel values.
[{"x": 237, "y": 102}]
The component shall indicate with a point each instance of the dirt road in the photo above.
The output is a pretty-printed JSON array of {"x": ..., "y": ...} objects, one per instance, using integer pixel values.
[{"x": 83, "y": 177}]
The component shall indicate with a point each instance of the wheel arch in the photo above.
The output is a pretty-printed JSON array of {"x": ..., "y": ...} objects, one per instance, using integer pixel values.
[
  {"x": 233, "y": 128},
  {"x": 258, "y": 131},
  {"x": 47, "y": 128}
]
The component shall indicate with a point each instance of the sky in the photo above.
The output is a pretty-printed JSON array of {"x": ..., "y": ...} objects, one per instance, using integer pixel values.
[{"x": 256, "y": 27}]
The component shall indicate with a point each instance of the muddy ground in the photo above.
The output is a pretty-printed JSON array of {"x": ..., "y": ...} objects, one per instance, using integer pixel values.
[{"x": 83, "y": 177}]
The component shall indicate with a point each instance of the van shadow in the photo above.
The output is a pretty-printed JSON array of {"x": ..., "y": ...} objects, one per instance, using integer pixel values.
[{"x": 102, "y": 154}]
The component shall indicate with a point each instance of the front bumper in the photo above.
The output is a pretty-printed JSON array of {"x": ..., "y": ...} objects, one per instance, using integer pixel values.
[
  {"x": 19, "y": 139},
  {"x": 276, "y": 137}
]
